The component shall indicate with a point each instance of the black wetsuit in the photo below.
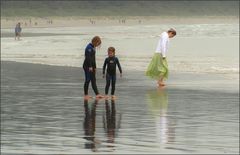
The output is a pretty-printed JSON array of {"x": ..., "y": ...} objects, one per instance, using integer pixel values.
[
  {"x": 90, "y": 75},
  {"x": 111, "y": 63}
]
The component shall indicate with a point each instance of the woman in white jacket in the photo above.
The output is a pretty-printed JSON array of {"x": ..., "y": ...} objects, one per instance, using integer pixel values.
[{"x": 158, "y": 67}]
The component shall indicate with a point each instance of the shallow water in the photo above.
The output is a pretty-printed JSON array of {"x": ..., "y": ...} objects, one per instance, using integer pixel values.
[
  {"x": 197, "y": 48},
  {"x": 42, "y": 111}
]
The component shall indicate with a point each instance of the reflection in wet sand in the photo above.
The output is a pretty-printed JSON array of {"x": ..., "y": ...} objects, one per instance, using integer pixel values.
[
  {"x": 89, "y": 125},
  {"x": 43, "y": 113},
  {"x": 110, "y": 124},
  {"x": 158, "y": 104}
]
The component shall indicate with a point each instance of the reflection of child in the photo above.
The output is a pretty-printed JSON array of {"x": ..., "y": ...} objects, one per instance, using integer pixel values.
[
  {"x": 110, "y": 125},
  {"x": 111, "y": 122},
  {"x": 111, "y": 61}
]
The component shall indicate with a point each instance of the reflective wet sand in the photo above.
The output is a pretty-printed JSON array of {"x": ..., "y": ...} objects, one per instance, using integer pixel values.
[{"x": 42, "y": 111}]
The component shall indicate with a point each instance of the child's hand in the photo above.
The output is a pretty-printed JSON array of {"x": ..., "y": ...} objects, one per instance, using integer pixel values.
[{"x": 90, "y": 69}]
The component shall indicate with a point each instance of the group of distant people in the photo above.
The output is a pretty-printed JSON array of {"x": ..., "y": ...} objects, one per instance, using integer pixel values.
[
  {"x": 18, "y": 28},
  {"x": 30, "y": 23},
  {"x": 92, "y": 21},
  {"x": 121, "y": 21},
  {"x": 50, "y": 22}
]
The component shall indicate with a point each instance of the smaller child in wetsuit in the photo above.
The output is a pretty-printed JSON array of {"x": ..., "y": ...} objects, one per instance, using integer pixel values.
[{"x": 111, "y": 62}]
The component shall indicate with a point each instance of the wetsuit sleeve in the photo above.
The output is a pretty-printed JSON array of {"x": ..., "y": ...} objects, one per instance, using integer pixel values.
[
  {"x": 119, "y": 66},
  {"x": 104, "y": 66},
  {"x": 88, "y": 57}
]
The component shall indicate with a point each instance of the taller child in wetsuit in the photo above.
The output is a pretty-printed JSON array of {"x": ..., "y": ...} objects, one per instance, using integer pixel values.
[
  {"x": 111, "y": 62},
  {"x": 89, "y": 67}
]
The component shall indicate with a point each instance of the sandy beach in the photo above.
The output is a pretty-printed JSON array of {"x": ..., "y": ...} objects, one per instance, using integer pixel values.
[
  {"x": 43, "y": 111},
  {"x": 42, "y": 105}
]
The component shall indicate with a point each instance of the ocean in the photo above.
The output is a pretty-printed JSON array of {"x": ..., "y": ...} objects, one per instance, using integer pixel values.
[{"x": 197, "y": 48}]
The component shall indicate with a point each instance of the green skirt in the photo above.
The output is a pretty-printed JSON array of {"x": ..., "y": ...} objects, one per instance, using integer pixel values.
[{"x": 158, "y": 67}]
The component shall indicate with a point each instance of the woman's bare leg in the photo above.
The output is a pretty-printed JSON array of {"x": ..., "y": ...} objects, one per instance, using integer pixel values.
[{"x": 160, "y": 82}]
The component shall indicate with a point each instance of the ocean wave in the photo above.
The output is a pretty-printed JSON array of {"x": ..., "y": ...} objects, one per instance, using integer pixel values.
[
  {"x": 134, "y": 46},
  {"x": 139, "y": 63},
  {"x": 184, "y": 30},
  {"x": 225, "y": 69}
]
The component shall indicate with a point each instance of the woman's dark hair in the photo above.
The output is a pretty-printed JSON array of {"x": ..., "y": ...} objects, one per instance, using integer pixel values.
[{"x": 172, "y": 31}]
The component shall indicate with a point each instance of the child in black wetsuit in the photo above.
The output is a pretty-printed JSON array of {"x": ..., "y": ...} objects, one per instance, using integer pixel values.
[
  {"x": 89, "y": 67},
  {"x": 111, "y": 62}
]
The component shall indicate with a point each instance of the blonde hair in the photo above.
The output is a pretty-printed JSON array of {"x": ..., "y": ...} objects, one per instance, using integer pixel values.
[{"x": 96, "y": 41}]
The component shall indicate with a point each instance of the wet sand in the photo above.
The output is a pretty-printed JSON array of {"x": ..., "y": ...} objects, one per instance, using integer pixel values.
[{"x": 43, "y": 111}]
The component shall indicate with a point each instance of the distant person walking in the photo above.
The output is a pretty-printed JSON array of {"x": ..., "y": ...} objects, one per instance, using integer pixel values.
[
  {"x": 18, "y": 31},
  {"x": 158, "y": 67}
]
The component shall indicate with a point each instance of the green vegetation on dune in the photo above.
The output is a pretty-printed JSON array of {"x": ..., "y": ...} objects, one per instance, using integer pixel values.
[{"x": 119, "y": 8}]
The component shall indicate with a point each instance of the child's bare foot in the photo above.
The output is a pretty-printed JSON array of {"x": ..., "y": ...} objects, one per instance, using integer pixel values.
[
  {"x": 87, "y": 97},
  {"x": 106, "y": 96},
  {"x": 99, "y": 96},
  {"x": 161, "y": 84},
  {"x": 113, "y": 97}
]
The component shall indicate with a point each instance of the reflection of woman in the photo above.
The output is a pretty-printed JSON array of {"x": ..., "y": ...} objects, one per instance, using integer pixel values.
[
  {"x": 89, "y": 125},
  {"x": 158, "y": 103},
  {"x": 109, "y": 121}
]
